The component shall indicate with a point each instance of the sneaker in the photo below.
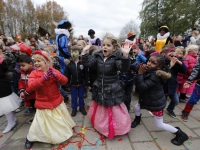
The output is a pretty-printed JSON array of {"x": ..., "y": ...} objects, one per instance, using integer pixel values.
[
  {"x": 28, "y": 111},
  {"x": 182, "y": 100},
  {"x": 184, "y": 118},
  {"x": 30, "y": 121},
  {"x": 18, "y": 109},
  {"x": 171, "y": 113}
]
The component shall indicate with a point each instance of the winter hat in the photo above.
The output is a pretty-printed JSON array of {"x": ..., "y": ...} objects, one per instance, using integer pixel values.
[
  {"x": 39, "y": 52},
  {"x": 165, "y": 28},
  {"x": 91, "y": 31},
  {"x": 24, "y": 48},
  {"x": 64, "y": 24},
  {"x": 130, "y": 34}
]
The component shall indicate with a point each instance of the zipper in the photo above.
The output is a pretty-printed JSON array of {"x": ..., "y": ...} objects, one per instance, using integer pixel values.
[
  {"x": 77, "y": 72},
  {"x": 103, "y": 79}
]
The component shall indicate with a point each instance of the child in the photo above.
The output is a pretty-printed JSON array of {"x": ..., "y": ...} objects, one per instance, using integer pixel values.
[
  {"x": 81, "y": 43},
  {"x": 189, "y": 60},
  {"x": 149, "y": 81},
  {"x": 26, "y": 67},
  {"x": 139, "y": 55},
  {"x": 176, "y": 66},
  {"x": 9, "y": 101},
  {"x": 107, "y": 113},
  {"x": 194, "y": 77},
  {"x": 52, "y": 123},
  {"x": 78, "y": 77}
]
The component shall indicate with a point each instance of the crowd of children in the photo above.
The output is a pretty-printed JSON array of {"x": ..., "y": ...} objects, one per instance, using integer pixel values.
[{"x": 40, "y": 73}]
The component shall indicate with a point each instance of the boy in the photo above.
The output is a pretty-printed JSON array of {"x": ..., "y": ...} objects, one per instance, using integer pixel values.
[{"x": 78, "y": 78}]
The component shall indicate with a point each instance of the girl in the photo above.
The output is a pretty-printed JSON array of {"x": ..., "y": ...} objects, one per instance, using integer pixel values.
[
  {"x": 149, "y": 82},
  {"x": 107, "y": 113},
  {"x": 52, "y": 122},
  {"x": 189, "y": 60},
  {"x": 9, "y": 101}
]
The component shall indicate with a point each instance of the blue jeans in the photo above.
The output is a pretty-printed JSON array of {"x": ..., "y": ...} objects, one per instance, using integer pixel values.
[
  {"x": 77, "y": 93},
  {"x": 194, "y": 98},
  {"x": 128, "y": 90},
  {"x": 174, "y": 101}
]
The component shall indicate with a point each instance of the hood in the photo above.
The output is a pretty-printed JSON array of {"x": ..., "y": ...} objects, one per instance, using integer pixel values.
[
  {"x": 163, "y": 75},
  {"x": 166, "y": 35},
  {"x": 62, "y": 31}
]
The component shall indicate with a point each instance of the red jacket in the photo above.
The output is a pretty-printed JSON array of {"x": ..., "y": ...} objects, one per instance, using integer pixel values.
[
  {"x": 23, "y": 84},
  {"x": 47, "y": 92}
]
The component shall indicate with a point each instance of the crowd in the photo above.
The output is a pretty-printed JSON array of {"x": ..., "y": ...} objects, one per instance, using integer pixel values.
[{"x": 37, "y": 73}]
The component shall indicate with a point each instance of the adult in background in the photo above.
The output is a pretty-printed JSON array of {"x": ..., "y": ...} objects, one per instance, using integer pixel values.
[
  {"x": 163, "y": 38},
  {"x": 92, "y": 39}
]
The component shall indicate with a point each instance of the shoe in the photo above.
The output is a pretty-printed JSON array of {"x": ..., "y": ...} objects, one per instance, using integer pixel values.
[
  {"x": 136, "y": 121},
  {"x": 180, "y": 138},
  {"x": 28, "y": 111},
  {"x": 9, "y": 128},
  {"x": 28, "y": 144},
  {"x": 182, "y": 100},
  {"x": 30, "y": 121},
  {"x": 18, "y": 109},
  {"x": 82, "y": 110},
  {"x": 74, "y": 111},
  {"x": 66, "y": 99},
  {"x": 184, "y": 116},
  {"x": 171, "y": 113}
]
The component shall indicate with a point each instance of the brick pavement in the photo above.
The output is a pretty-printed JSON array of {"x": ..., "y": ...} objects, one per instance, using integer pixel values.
[{"x": 146, "y": 136}]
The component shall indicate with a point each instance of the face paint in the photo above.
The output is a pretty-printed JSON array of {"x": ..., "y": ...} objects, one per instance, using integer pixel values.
[{"x": 75, "y": 55}]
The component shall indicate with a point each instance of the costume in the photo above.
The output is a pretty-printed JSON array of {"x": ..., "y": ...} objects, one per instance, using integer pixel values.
[
  {"x": 52, "y": 122},
  {"x": 95, "y": 40},
  {"x": 163, "y": 40},
  {"x": 107, "y": 113}
]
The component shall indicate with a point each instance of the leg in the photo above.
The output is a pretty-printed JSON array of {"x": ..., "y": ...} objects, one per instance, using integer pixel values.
[
  {"x": 12, "y": 121},
  {"x": 174, "y": 101},
  {"x": 74, "y": 100},
  {"x": 63, "y": 93},
  {"x": 191, "y": 102},
  {"x": 137, "y": 116},
  {"x": 180, "y": 135},
  {"x": 128, "y": 89},
  {"x": 182, "y": 98},
  {"x": 81, "y": 99}
]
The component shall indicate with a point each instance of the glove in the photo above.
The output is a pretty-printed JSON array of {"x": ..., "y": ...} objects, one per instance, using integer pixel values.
[
  {"x": 54, "y": 74},
  {"x": 47, "y": 75}
]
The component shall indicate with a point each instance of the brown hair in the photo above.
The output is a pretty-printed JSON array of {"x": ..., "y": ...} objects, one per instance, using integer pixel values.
[
  {"x": 168, "y": 48},
  {"x": 75, "y": 47},
  {"x": 114, "y": 42}
]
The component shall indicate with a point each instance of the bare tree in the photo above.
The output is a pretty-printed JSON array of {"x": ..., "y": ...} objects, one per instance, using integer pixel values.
[
  {"x": 105, "y": 33},
  {"x": 130, "y": 26}
]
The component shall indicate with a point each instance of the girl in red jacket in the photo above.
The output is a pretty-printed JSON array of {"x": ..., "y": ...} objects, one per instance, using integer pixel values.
[{"x": 52, "y": 122}]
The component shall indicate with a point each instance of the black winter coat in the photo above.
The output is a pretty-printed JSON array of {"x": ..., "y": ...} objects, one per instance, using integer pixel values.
[
  {"x": 107, "y": 89},
  {"x": 195, "y": 75},
  {"x": 76, "y": 73},
  {"x": 150, "y": 85}
]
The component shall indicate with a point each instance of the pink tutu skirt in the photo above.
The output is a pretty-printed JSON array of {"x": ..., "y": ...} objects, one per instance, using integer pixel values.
[{"x": 110, "y": 121}]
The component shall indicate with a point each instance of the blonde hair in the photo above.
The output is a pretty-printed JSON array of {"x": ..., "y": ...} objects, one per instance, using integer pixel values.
[
  {"x": 114, "y": 42},
  {"x": 41, "y": 57},
  {"x": 195, "y": 32},
  {"x": 10, "y": 39},
  {"x": 191, "y": 47},
  {"x": 180, "y": 49},
  {"x": 82, "y": 41}
]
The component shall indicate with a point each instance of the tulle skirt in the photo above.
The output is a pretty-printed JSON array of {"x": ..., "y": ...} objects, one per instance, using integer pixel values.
[
  {"x": 9, "y": 103},
  {"x": 110, "y": 121},
  {"x": 51, "y": 126}
]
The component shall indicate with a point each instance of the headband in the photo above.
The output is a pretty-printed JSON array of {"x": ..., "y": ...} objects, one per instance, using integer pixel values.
[
  {"x": 40, "y": 53},
  {"x": 170, "y": 49}
]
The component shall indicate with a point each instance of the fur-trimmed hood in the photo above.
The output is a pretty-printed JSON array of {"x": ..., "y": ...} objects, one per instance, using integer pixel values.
[{"x": 163, "y": 74}]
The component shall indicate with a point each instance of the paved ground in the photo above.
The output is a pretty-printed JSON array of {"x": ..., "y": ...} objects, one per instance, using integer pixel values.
[{"x": 144, "y": 137}]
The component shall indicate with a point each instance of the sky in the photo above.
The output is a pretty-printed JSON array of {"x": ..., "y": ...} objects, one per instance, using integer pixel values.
[{"x": 99, "y": 15}]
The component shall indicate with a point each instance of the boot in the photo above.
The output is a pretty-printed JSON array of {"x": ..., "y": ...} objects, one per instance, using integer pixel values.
[
  {"x": 12, "y": 121},
  {"x": 82, "y": 110},
  {"x": 28, "y": 144},
  {"x": 180, "y": 138},
  {"x": 136, "y": 121},
  {"x": 186, "y": 111},
  {"x": 74, "y": 111}
]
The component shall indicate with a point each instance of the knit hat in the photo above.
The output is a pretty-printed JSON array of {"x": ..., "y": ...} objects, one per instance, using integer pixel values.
[
  {"x": 39, "y": 52},
  {"x": 64, "y": 24},
  {"x": 24, "y": 48},
  {"x": 91, "y": 31},
  {"x": 165, "y": 28},
  {"x": 130, "y": 34}
]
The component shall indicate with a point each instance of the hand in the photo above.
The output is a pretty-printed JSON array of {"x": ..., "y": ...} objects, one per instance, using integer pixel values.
[
  {"x": 22, "y": 95},
  {"x": 54, "y": 74},
  {"x": 126, "y": 50},
  {"x": 70, "y": 43},
  {"x": 142, "y": 68},
  {"x": 86, "y": 49},
  {"x": 1, "y": 53},
  {"x": 173, "y": 62},
  {"x": 47, "y": 75},
  {"x": 186, "y": 85}
]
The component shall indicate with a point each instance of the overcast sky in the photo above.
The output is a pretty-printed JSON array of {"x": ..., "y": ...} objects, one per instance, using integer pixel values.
[{"x": 100, "y": 15}]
